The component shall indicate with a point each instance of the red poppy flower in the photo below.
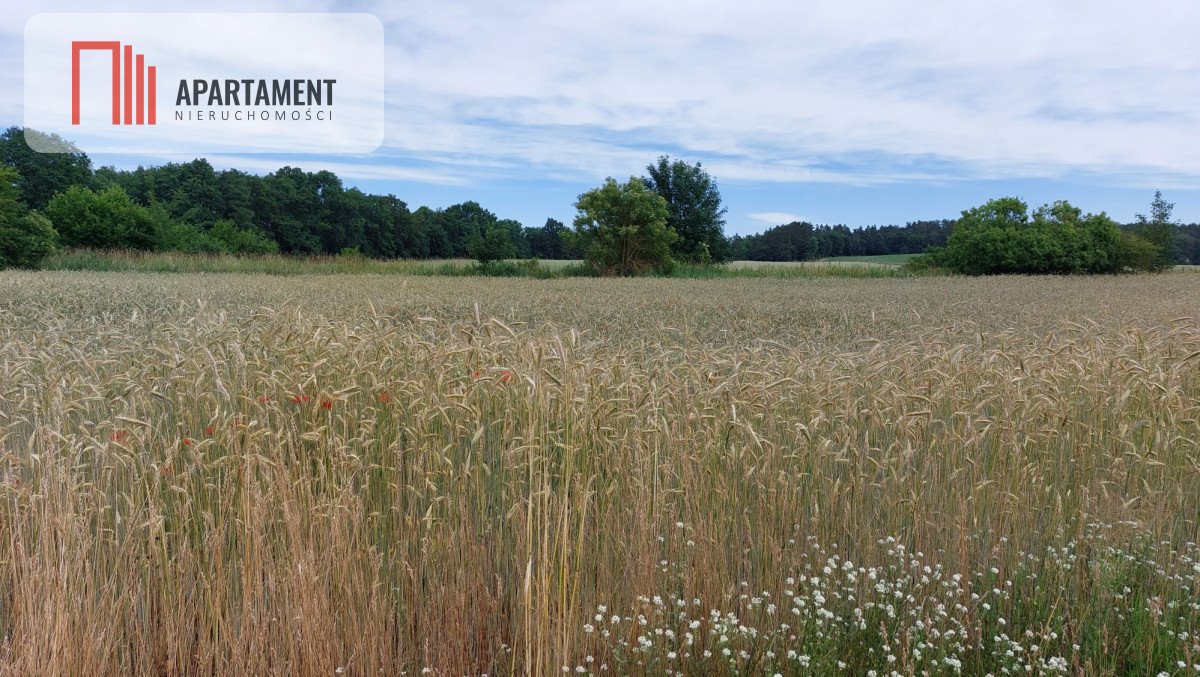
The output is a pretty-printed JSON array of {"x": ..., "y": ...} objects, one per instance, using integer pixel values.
[
  {"x": 385, "y": 397},
  {"x": 505, "y": 375},
  {"x": 187, "y": 441},
  {"x": 299, "y": 399},
  {"x": 478, "y": 373},
  {"x": 326, "y": 404},
  {"x": 119, "y": 435},
  {"x": 263, "y": 399},
  {"x": 208, "y": 430}
]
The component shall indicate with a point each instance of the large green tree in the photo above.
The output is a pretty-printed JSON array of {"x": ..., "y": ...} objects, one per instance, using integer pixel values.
[
  {"x": 516, "y": 235},
  {"x": 694, "y": 210},
  {"x": 621, "y": 229},
  {"x": 288, "y": 210},
  {"x": 1160, "y": 231},
  {"x": 547, "y": 241},
  {"x": 462, "y": 222},
  {"x": 429, "y": 223},
  {"x": 26, "y": 237},
  {"x": 42, "y": 175}
]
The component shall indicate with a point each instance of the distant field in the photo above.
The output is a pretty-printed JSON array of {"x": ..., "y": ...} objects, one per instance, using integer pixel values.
[
  {"x": 886, "y": 259},
  {"x": 249, "y": 474}
]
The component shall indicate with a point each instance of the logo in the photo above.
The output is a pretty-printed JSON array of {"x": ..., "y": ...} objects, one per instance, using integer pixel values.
[
  {"x": 200, "y": 83},
  {"x": 145, "y": 112}
]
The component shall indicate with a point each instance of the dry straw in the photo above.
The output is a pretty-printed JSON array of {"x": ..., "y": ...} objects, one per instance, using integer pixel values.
[{"x": 215, "y": 474}]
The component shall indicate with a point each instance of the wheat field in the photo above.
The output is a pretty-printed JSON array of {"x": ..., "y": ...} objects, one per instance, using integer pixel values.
[{"x": 363, "y": 475}]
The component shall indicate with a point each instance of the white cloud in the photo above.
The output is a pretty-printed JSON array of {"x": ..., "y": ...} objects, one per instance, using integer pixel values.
[
  {"x": 805, "y": 91},
  {"x": 854, "y": 91},
  {"x": 351, "y": 171},
  {"x": 775, "y": 218}
]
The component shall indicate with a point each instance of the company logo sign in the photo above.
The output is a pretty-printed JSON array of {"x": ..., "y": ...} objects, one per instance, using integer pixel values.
[
  {"x": 146, "y": 82},
  {"x": 204, "y": 83}
]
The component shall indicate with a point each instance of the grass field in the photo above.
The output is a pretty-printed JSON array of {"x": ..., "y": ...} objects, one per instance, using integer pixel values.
[
  {"x": 384, "y": 474},
  {"x": 173, "y": 262}
]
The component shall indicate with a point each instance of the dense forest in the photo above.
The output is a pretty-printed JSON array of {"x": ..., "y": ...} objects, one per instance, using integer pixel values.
[
  {"x": 800, "y": 241},
  {"x": 1187, "y": 242},
  {"x": 193, "y": 207}
]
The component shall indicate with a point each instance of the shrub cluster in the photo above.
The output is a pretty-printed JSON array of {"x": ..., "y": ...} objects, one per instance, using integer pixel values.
[{"x": 1003, "y": 237}]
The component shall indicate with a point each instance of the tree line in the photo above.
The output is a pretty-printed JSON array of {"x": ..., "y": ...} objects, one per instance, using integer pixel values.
[
  {"x": 802, "y": 241},
  {"x": 192, "y": 207},
  {"x": 52, "y": 200}
]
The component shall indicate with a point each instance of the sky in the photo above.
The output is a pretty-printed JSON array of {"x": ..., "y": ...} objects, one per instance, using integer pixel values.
[{"x": 851, "y": 111}]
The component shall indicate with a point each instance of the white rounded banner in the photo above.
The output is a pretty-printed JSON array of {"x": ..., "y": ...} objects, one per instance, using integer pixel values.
[{"x": 204, "y": 83}]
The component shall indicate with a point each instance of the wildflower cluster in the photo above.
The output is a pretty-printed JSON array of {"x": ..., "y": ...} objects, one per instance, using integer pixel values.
[{"x": 909, "y": 614}]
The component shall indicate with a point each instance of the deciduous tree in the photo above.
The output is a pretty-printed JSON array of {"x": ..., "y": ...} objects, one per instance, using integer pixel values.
[
  {"x": 1160, "y": 231},
  {"x": 621, "y": 229},
  {"x": 26, "y": 237},
  {"x": 42, "y": 175},
  {"x": 694, "y": 210}
]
